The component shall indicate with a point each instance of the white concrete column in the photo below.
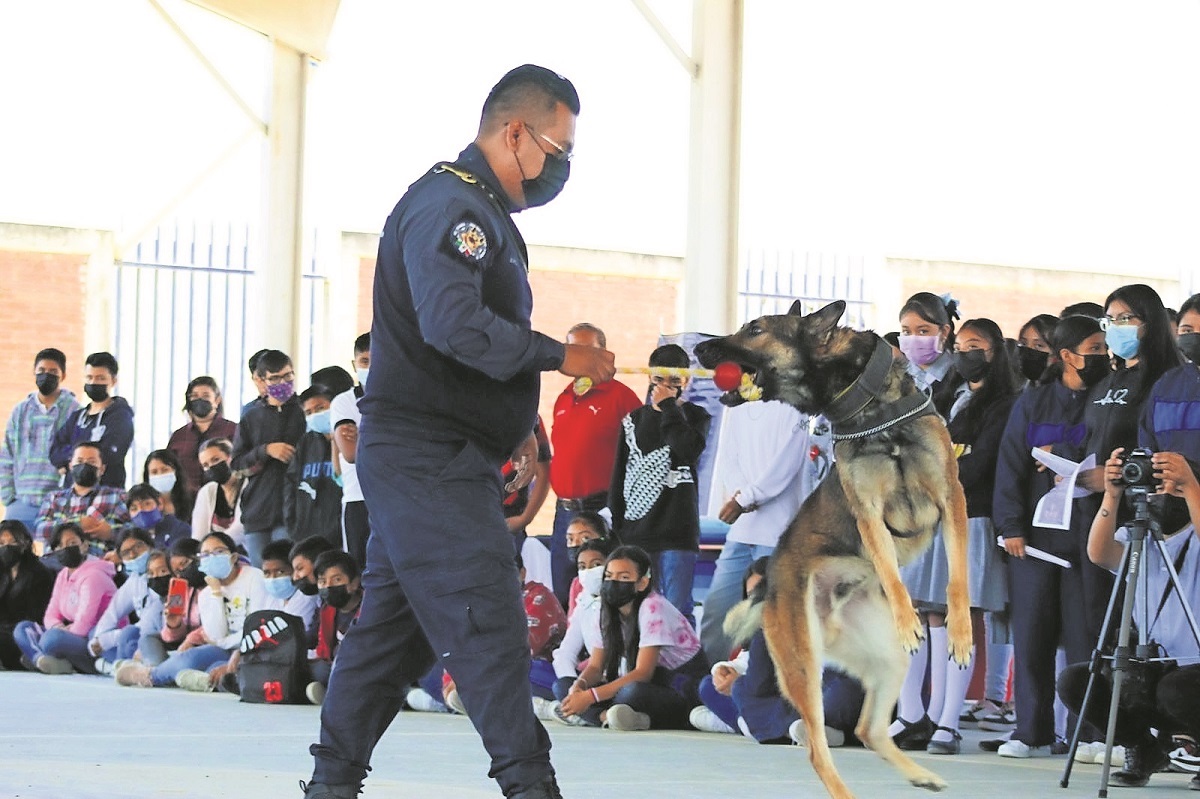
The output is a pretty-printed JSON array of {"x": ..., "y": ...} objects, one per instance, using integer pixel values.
[
  {"x": 279, "y": 275},
  {"x": 710, "y": 279}
]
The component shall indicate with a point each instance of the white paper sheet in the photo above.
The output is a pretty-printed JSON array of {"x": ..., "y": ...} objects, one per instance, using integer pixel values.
[
  {"x": 1034, "y": 552},
  {"x": 1054, "y": 509}
]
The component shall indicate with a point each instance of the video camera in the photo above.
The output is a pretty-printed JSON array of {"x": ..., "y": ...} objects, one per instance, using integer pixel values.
[{"x": 1137, "y": 470}]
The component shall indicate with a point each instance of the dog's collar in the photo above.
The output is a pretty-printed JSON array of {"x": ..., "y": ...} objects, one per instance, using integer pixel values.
[
  {"x": 912, "y": 406},
  {"x": 865, "y": 389}
]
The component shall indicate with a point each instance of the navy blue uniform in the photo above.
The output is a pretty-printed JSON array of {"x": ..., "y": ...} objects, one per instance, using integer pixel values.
[
  {"x": 1045, "y": 605},
  {"x": 453, "y": 390},
  {"x": 1170, "y": 420}
]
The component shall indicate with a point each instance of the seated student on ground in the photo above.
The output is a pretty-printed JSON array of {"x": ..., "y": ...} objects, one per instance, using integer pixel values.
[
  {"x": 95, "y": 508},
  {"x": 234, "y": 590},
  {"x": 312, "y": 495},
  {"x": 117, "y": 634},
  {"x": 645, "y": 659},
  {"x": 164, "y": 472},
  {"x": 180, "y": 614},
  {"x": 146, "y": 511},
  {"x": 588, "y": 525},
  {"x": 304, "y": 557},
  {"x": 205, "y": 409},
  {"x": 25, "y": 587},
  {"x": 1166, "y": 700},
  {"x": 82, "y": 591},
  {"x": 219, "y": 501},
  {"x": 547, "y": 625},
  {"x": 340, "y": 584},
  {"x": 571, "y": 656}
]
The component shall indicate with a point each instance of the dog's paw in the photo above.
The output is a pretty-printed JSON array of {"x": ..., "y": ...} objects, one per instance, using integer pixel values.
[
  {"x": 910, "y": 630},
  {"x": 960, "y": 642},
  {"x": 928, "y": 780}
]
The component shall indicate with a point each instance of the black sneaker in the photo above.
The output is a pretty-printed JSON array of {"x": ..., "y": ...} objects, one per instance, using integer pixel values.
[
  {"x": 916, "y": 734},
  {"x": 993, "y": 744},
  {"x": 546, "y": 789},
  {"x": 1060, "y": 746},
  {"x": 1141, "y": 761},
  {"x": 319, "y": 790}
]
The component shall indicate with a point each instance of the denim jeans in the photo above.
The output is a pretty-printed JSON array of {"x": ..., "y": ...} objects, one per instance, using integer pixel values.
[
  {"x": 724, "y": 592},
  {"x": 256, "y": 540},
  {"x": 127, "y": 644},
  {"x": 561, "y": 568},
  {"x": 666, "y": 708},
  {"x": 674, "y": 570},
  {"x": 202, "y": 658},
  {"x": 55, "y": 642},
  {"x": 22, "y": 511}
]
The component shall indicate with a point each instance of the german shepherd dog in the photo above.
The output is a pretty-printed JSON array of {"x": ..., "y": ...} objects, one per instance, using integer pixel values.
[{"x": 833, "y": 590}]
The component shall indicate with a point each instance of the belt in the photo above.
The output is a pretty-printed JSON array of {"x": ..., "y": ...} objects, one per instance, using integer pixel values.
[{"x": 590, "y": 502}]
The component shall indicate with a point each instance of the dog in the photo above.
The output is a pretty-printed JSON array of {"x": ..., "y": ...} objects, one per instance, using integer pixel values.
[{"x": 834, "y": 592}]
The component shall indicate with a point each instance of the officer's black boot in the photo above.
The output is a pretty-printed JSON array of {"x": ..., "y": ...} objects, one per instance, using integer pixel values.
[
  {"x": 319, "y": 790},
  {"x": 1141, "y": 761},
  {"x": 546, "y": 789}
]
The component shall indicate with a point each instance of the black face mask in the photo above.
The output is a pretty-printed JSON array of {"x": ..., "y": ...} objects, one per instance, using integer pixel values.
[
  {"x": 9, "y": 555},
  {"x": 336, "y": 596},
  {"x": 1189, "y": 345},
  {"x": 159, "y": 585},
  {"x": 546, "y": 186},
  {"x": 85, "y": 474},
  {"x": 1033, "y": 362},
  {"x": 305, "y": 587},
  {"x": 199, "y": 408},
  {"x": 69, "y": 557},
  {"x": 193, "y": 575},
  {"x": 573, "y": 554},
  {"x": 617, "y": 593},
  {"x": 1095, "y": 368},
  {"x": 96, "y": 392},
  {"x": 218, "y": 473},
  {"x": 47, "y": 383},
  {"x": 971, "y": 364}
]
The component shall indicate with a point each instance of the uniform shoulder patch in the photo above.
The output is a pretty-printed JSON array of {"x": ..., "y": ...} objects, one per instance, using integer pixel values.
[{"x": 469, "y": 240}]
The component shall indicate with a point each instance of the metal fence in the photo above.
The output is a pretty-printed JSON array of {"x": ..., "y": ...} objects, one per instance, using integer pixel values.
[
  {"x": 184, "y": 307},
  {"x": 769, "y": 281}
]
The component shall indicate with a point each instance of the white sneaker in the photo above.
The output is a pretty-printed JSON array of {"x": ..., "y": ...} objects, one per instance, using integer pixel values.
[
  {"x": 194, "y": 680},
  {"x": 106, "y": 667},
  {"x": 1118, "y": 756},
  {"x": 314, "y": 692},
  {"x": 626, "y": 719},
  {"x": 799, "y": 735},
  {"x": 1089, "y": 751},
  {"x": 705, "y": 720},
  {"x": 454, "y": 702},
  {"x": 1020, "y": 749},
  {"x": 419, "y": 699},
  {"x": 745, "y": 728},
  {"x": 543, "y": 708}
]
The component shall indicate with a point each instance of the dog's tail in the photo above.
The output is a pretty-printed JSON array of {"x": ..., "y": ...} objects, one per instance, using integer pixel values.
[{"x": 745, "y": 618}]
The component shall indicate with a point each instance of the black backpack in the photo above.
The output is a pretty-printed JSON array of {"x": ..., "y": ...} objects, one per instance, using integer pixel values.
[{"x": 274, "y": 667}]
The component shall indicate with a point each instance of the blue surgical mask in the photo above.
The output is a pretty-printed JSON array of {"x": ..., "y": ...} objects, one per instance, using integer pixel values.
[
  {"x": 280, "y": 587},
  {"x": 319, "y": 422},
  {"x": 1122, "y": 340},
  {"x": 147, "y": 519},
  {"x": 362, "y": 377},
  {"x": 217, "y": 566},
  {"x": 163, "y": 483},
  {"x": 138, "y": 564}
]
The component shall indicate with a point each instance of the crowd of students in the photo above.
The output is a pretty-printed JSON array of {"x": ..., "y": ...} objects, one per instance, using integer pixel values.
[{"x": 154, "y": 582}]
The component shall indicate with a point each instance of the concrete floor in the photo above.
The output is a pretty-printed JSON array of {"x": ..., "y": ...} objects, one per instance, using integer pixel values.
[{"x": 86, "y": 738}]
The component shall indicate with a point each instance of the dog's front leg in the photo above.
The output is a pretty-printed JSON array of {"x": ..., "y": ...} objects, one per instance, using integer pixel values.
[
  {"x": 954, "y": 537},
  {"x": 877, "y": 541}
]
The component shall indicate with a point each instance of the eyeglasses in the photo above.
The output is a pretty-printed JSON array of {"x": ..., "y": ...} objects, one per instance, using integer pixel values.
[
  {"x": 274, "y": 380},
  {"x": 1120, "y": 321},
  {"x": 129, "y": 553},
  {"x": 561, "y": 153},
  {"x": 216, "y": 553}
]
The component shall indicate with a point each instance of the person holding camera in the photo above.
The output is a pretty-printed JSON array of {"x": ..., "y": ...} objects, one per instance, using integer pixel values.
[{"x": 1160, "y": 695}]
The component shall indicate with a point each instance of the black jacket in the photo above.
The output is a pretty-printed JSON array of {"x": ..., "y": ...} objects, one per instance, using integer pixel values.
[
  {"x": 25, "y": 597},
  {"x": 262, "y": 497},
  {"x": 312, "y": 499}
]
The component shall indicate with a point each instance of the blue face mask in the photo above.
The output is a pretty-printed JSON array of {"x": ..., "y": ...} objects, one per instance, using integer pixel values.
[
  {"x": 138, "y": 564},
  {"x": 319, "y": 422},
  {"x": 147, "y": 519},
  {"x": 362, "y": 376},
  {"x": 280, "y": 587},
  {"x": 218, "y": 566},
  {"x": 1122, "y": 340}
]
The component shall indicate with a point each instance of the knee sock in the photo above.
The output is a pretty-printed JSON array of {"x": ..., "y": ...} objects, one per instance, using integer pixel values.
[
  {"x": 910, "y": 707},
  {"x": 939, "y": 659},
  {"x": 957, "y": 682}
]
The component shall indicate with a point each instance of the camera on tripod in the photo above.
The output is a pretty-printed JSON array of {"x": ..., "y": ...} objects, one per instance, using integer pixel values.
[{"x": 1137, "y": 470}]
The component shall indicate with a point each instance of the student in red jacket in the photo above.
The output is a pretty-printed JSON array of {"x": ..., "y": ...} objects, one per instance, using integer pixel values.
[{"x": 339, "y": 584}]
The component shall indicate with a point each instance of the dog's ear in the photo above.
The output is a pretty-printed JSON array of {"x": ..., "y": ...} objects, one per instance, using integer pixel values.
[
  {"x": 796, "y": 310},
  {"x": 822, "y": 323}
]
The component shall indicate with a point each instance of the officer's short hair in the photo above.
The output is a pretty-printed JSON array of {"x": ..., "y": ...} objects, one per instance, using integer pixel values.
[{"x": 528, "y": 87}]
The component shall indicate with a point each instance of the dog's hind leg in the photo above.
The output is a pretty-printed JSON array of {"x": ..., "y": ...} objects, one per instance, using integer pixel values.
[
  {"x": 954, "y": 537},
  {"x": 881, "y": 551},
  {"x": 793, "y": 635}
]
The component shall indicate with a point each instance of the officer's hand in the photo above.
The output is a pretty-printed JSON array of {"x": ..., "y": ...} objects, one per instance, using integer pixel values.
[
  {"x": 1015, "y": 547},
  {"x": 591, "y": 362},
  {"x": 280, "y": 451},
  {"x": 523, "y": 458}
]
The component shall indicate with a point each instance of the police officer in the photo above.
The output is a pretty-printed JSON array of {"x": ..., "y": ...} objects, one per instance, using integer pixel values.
[{"x": 453, "y": 393}]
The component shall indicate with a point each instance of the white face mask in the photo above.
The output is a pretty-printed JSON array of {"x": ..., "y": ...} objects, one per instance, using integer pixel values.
[
  {"x": 590, "y": 580},
  {"x": 163, "y": 483}
]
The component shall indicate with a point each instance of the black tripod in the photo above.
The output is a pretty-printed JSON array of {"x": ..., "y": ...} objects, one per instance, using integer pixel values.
[{"x": 1128, "y": 573}]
